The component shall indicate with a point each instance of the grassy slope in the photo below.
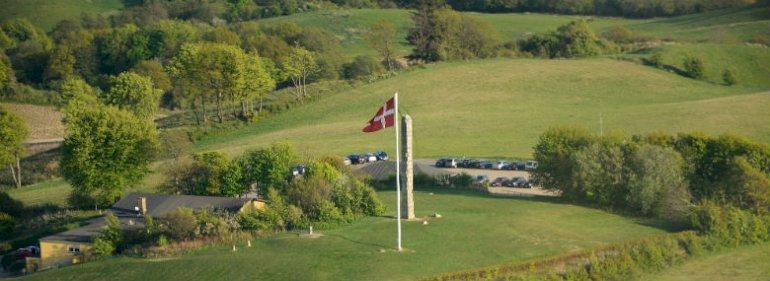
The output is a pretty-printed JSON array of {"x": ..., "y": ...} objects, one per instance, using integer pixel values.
[
  {"x": 46, "y": 13},
  {"x": 475, "y": 231},
  {"x": 498, "y": 108},
  {"x": 725, "y": 26},
  {"x": 351, "y": 25},
  {"x": 746, "y": 263}
]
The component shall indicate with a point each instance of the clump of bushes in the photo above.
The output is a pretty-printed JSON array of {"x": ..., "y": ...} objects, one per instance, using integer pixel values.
[
  {"x": 654, "y": 175},
  {"x": 694, "y": 67},
  {"x": 728, "y": 77},
  {"x": 362, "y": 66},
  {"x": 574, "y": 39}
]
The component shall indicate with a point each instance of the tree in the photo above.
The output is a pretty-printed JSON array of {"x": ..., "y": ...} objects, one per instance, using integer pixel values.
[
  {"x": 268, "y": 167},
  {"x": 72, "y": 87},
  {"x": 181, "y": 223},
  {"x": 105, "y": 150},
  {"x": 210, "y": 71},
  {"x": 656, "y": 184},
  {"x": 133, "y": 92},
  {"x": 381, "y": 37},
  {"x": 425, "y": 34},
  {"x": 362, "y": 66},
  {"x": 258, "y": 82},
  {"x": 61, "y": 64},
  {"x": 122, "y": 47},
  {"x": 6, "y": 72},
  {"x": 13, "y": 131},
  {"x": 693, "y": 67},
  {"x": 298, "y": 65},
  {"x": 153, "y": 70}
]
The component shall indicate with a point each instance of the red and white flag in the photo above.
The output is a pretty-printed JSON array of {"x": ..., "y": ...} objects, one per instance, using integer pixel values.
[{"x": 384, "y": 118}]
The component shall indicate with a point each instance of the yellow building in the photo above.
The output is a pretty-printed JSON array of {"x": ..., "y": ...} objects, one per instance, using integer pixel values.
[{"x": 74, "y": 246}]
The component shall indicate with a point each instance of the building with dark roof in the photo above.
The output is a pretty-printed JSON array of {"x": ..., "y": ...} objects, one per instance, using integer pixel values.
[{"x": 70, "y": 246}]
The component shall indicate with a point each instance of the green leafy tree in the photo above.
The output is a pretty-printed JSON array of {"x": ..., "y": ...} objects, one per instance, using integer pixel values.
[
  {"x": 6, "y": 72},
  {"x": 381, "y": 38},
  {"x": 258, "y": 82},
  {"x": 210, "y": 71},
  {"x": 72, "y": 87},
  {"x": 362, "y": 66},
  {"x": 13, "y": 131},
  {"x": 167, "y": 37},
  {"x": 268, "y": 167},
  {"x": 121, "y": 48},
  {"x": 553, "y": 152},
  {"x": 133, "y": 92},
  {"x": 656, "y": 183},
  {"x": 153, "y": 69},
  {"x": 181, "y": 223},
  {"x": 105, "y": 150},
  {"x": 61, "y": 64},
  {"x": 298, "y": 66}
]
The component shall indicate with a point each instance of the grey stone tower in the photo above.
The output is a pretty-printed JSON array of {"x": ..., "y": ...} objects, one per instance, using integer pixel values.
[{"x": 407, "y": 197}]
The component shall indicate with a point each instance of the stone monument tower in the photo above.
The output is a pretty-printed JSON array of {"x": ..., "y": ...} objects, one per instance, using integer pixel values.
[{"x": 407, "y": 198}]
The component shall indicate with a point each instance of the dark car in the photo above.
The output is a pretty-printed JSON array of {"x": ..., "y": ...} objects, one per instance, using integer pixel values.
[
  {"x": 381, "y": 155},
  {"x": 520, "y": 165},
  {"x": 484, "y": 164},
  {"x": 474, "y": 164},
  {"x": 521, "y": 182},
  {"x": 481, "y": 179},
  {"x": 501, "y": 181},
  {"x": 447, "y": 163},
  {"x": 356, "y": 159}
]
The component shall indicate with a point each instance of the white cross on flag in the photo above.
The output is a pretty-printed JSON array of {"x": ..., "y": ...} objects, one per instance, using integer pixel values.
[{"x": 383, "y": 119}]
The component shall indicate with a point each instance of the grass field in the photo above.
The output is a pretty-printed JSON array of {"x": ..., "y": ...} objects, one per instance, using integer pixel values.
[
  {"x": 497, "y": 108},
  {"x": 742, "y": 264},
  {"x": 48, "y": 192},
  {"x": 475, "y": 230},
  {"x": 723, "y": 26},
  {"x": 46, "y": 13}
]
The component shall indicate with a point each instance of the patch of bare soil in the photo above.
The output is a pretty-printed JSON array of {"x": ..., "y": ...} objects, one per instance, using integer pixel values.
[{"x": 43, "y": 122}]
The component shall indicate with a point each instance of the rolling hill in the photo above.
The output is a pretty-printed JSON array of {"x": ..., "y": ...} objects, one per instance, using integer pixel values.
[
  {"x": 497, "y": 108},
  {"x": 47, "y": 13}
]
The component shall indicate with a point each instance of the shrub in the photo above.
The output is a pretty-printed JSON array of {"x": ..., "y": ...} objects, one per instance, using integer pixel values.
[
  {"x": 268, "y": 167},
  {"x": 181, "y": 224},
  {"x": 729, "y": 77},
  {"x": 656, "y": 60},
  {"x": 7, "y": 224},
  {"x": 574, "y": 39},
  {"x": 362, "y": 66},
  {"x": 693, "y": 67},
  {"x": 102, "y": 247}
]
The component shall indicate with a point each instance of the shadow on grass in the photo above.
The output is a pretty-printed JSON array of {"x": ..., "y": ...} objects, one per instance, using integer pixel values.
[{"x": 658, "y": 223}]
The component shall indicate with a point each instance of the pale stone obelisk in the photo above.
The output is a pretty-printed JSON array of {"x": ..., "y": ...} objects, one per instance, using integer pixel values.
[{"x": 407, "y": 202}]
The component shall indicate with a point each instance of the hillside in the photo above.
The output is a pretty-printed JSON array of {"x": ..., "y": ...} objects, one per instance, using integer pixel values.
[
  {"x": 724, "y": 26},
  {"x": 46, "y": 13},
  {"x": 497, "y": 108},
  {"x": 475, "y": 231},
  {"x": 744, "y": 263},
  {"x": 43, "y": 122}
]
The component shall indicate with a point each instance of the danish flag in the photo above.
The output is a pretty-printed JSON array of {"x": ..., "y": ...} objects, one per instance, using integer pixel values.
[{"x": 383, "y": 119}]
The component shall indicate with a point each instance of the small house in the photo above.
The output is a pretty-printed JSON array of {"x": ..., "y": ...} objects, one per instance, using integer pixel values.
[{"x": 71, "y": 246}]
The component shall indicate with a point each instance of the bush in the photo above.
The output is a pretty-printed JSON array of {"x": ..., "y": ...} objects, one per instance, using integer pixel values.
[
  {"x": 102, "y": 247},
  {"x": 729, "y": 77},
  {"x": 362, "y": 66},
  {"x": 181, "y": 224},
  {"x": 693, "y": 67},
  {"x": 269, "y": 167},
  {"x": 656, "y": 60},
  {"x": 574, "y": 39},
  {"x": 7, "y": 224}
]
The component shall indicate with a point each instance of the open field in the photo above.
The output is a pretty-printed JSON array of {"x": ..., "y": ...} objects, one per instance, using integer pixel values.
[
  {"x": 43, "y": 122},
  {"x": 497, "y": 108},
  {"x": 46, "y": 13},
  {"x": 475, "y": 231},
  {"x": 744, "y": 264},
  {"x": 48, "y": 192},
  {"x": 723, "y": 26}
]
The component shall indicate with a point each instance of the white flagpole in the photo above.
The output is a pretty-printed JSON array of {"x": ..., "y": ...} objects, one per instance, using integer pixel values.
[{"x": 398, "y": 172}]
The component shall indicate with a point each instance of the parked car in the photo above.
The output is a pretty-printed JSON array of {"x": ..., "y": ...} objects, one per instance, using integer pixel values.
[
  {"x": 356, "y": 159},
  {"x": 500, "y": 165},
  {"x": 369, "y": 157},
  {"x": 520, "y": 182},
  {"x": 447, "y": 163},
  {"x": 501, "y": 181},
  {"x": 481, "y": 179},
  {"x": 298, "y": 170},
  {"x": 530, "y": 165},
  {"x": 381, "y": 155},
  {"x": 346, "y": 161},
  {"x": 464, "y": 163},
  {"x": 484, "y": 164},
  {"x": 520, "y": 165}
]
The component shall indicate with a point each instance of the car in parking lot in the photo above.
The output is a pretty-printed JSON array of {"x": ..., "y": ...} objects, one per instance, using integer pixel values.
[
  {"x": 346, "y": 161},
  {"x": 356, "y": 159},
  {"x": 481, "y": 179},
  {"x": 500, "y": 165},
  {"x": 520, "y": 182},
  {"x": 530, "y": 165},
  {"x": 298, "y": 170},
  {"x": 501, "y": 181},
  {"x": 369, "y": 157},
  {"x": 381, "y": 155},
  {"x": 446, "y": 163}
]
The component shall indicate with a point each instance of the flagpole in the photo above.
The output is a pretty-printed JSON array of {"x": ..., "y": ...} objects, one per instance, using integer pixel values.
[{"x": 398, "y": 172}]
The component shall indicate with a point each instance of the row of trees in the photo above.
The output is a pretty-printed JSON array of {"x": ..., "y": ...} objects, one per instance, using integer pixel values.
[{"x": 656, "y": 174}]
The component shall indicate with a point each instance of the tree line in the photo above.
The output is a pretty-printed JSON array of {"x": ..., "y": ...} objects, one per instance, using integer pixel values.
[{"x": 657, "y": 174}]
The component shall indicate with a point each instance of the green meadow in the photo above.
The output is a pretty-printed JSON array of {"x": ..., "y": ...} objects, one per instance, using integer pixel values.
[
  {"x": 498, "y": 107},
  {"x": 474, "y": 231},
  {"x": 745, "y": 263},
  {"x": 47, "y": 13}
]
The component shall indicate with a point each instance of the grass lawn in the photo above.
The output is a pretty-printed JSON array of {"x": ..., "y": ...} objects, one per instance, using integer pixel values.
[
  {"x": 475, "y": 231},
  {"x": 497, "y": 108},
  {"x": 722, "y": 26},
  {"x": 48, "y": 192},
  {"x": 47, "y": 13},
  {"x": 744, "y": 264}
]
